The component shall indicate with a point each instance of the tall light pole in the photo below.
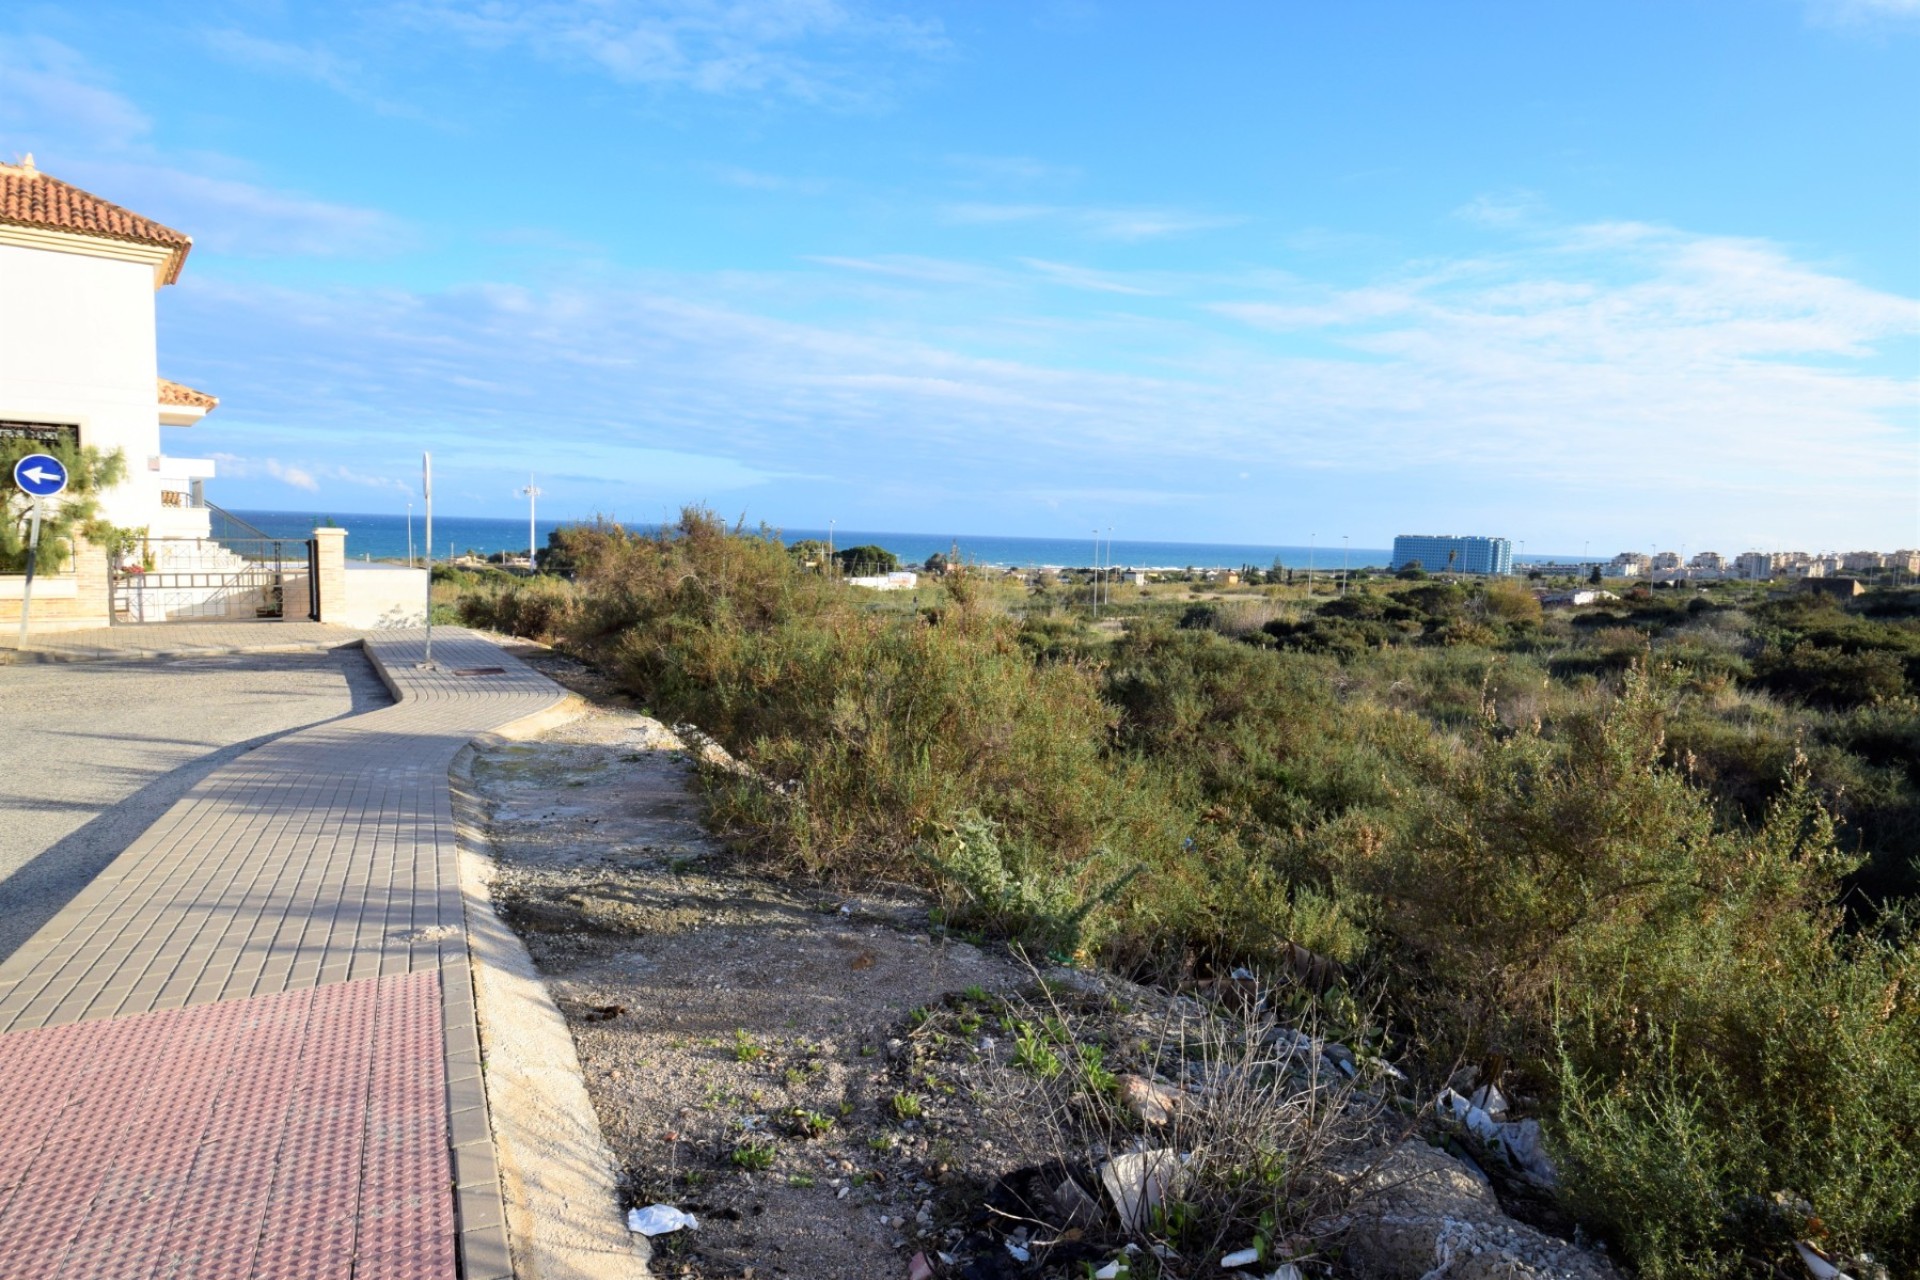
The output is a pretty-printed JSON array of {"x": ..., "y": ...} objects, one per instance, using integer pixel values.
[
  {"x": 1096, "y": 573},
  {"x": 1343, "y": 564},
  {"x": 532, "y": 494},
  {"x": 409, "y": 532}
]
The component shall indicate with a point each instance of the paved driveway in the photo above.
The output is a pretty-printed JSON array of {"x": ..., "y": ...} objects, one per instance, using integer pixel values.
[{"x": 92, "y": 753}]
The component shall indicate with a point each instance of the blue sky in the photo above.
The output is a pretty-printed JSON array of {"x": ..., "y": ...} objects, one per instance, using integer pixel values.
[{"x": 1609, "y": 273}]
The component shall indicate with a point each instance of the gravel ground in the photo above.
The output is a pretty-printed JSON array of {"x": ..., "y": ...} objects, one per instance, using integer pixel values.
[{"x": 91, "y": 753}]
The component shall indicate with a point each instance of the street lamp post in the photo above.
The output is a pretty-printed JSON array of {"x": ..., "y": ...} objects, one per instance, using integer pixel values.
[
  {"x": 1343, "y": 564},
  {"x": 532, "y": 493}
]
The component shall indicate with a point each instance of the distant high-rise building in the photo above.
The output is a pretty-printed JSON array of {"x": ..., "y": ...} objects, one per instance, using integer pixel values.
[{"x": 1445, "y": 553}]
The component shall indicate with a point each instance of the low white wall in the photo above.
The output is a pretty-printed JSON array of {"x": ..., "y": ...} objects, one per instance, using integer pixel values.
[{"x": 381, "y": 596}]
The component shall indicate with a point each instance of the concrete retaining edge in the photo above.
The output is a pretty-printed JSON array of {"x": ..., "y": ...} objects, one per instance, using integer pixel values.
[{"x": 561, "y": 1198}]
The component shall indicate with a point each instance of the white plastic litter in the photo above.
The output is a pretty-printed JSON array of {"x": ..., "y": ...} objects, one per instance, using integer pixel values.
[
  {"x": 1240, "y": 1258},
  {"x": 1138, "y": 1183},
  {"x": 1518, "y": 1140},
  {"x": 660, "y": 1220},
  {"x": 1817, "y": 1263},
  {"x": 1286, "y": 1271},
  {"x": 1019, "y": 1254},
  {"x": 1109, "y": 1272}
]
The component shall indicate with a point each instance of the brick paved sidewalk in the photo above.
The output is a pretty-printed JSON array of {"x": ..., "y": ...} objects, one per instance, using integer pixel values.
[{"x": 247, "y": 1049}]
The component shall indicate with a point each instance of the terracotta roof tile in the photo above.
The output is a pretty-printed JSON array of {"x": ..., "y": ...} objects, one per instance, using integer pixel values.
[
  {"x": 180, "y": 393},
  {"x": 29, "y": 198}
]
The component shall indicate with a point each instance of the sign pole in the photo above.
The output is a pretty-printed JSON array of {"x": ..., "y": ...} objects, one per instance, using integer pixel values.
[
  {"x": 39, "y": 476},
  {"x": 426, "y": 487},
  {"x": 33, "y": 548}
]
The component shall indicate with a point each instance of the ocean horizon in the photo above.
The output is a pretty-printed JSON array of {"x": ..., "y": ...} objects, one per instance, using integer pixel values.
[{"x": 388, "y": 537}]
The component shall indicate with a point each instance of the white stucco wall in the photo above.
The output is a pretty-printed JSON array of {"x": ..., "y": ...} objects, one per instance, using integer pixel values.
[
  {"x": 380, "y": 597},
  {"x": 77, "y": 346}
]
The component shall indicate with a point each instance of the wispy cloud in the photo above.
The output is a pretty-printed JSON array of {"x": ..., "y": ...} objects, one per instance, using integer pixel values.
[
  {"x": 42, "y": 81},
  {"x": 85, "y": 131},
  {"x": 817, "y": 51},
  {"x": 1007, "y": 171},
  {"x": 755, "y": 180},
  {"x": 1583, "y": 360},
  {"x": 1502, "y": 209},
  {"x": 1104, "y": 223},
  {"x": 1083, "y": 277},
  {"x": 237, "y": 467},
  {"x": 1857, "y": 12},
  {"x": 311, "y": 62}
]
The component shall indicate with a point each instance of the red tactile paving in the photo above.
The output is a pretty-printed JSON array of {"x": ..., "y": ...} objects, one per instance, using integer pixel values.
[
  {"x": 224, "y": 1057},
  {"x": 299, "y": 1134}
]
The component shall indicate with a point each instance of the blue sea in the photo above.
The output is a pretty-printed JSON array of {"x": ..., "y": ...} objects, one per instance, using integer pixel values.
[{"x": 386, "y": 537}]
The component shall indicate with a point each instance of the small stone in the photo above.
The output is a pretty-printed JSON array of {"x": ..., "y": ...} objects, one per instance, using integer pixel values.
[{"x": 1153, "y": 1103}]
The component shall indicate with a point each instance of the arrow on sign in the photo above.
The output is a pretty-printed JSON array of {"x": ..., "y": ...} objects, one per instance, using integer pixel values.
[{"x": 39, "y": 476}]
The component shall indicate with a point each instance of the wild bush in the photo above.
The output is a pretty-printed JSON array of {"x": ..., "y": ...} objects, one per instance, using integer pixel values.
[{"x": 1596, "y": 848}]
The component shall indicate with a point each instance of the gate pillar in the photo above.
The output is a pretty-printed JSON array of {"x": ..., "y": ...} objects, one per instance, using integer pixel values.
[{"x": 329, "y": 574}]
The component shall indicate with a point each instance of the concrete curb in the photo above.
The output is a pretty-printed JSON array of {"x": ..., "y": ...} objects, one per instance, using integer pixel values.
[
  {"x": 33, "y": 657},
  {"x": 556, "y": 1172}
]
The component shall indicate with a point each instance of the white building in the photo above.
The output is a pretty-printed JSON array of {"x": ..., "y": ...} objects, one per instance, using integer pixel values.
[
  {"x": 77, "y": 356},
  {"x": 1754, "y": 566},
  {"x": 1707, "y": 563}
]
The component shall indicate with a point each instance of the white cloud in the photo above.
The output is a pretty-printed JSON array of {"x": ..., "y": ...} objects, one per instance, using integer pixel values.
[
  {"x": 1599, "y": 377},
  {"x": 47, "y": 90},
  {"x": 84, "y": 131},
  {"x": 1105, "y": 223},
  {"x": 1082, "y": 277},
  {"x": 1853, "y": 12},
  {"x": 1503, "y": 209},
  {"x": 241, "y": 468},
  {"x": 229, "y": 215},
  {"x": 314, "y": 63},
  {"x": 808, "y": 50}
]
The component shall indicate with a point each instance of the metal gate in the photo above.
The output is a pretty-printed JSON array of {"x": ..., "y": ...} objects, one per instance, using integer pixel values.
[{"x": 238, "y": 573}]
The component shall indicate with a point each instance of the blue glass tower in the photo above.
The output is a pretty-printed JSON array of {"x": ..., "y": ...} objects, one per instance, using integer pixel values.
[{"x": 1445, "y": 553}]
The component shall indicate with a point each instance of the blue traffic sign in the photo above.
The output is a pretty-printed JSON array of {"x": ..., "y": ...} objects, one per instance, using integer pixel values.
[{"x": 40, "y": 475}]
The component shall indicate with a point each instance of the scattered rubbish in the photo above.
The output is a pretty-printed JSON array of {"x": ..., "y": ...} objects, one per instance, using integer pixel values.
[
  {"x": 1243, "y": 975},
  {"x": 1818, "y": 1264},
  {"x": 1153, "y": 1103},
  {"x": 864, "y": 960},
  {"x": 1518, "y": 1140},
  {"x": 846, "y": 908},
  {"x": 1286, "y": 1271},
  {"x": 1077, "y": 1208},
  {"x": 603, "y": 1013},
  {"x": 1138, "y": 1183},
  {"x": 1490, "y": 1100},
  {"x": 1240, "y": 1258},
  {"x": 1019, "y": 1254},
  {"x": 1112, "y": 1271},
  {"x": 660, "y": 1220},
  {"x": 1312, "y": 970},
  {"x": 919, "y": 1268}
]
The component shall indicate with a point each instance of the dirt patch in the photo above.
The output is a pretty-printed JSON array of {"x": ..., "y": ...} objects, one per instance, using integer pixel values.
[{"x": 744, "y": 1040}]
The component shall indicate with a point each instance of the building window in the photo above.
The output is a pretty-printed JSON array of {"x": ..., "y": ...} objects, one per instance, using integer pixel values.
[{"x": 59, "y": 435}]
